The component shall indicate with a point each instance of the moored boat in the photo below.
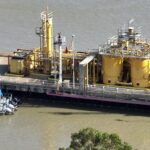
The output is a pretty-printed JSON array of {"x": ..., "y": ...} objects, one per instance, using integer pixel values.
[{"x": 8, "y": 104}]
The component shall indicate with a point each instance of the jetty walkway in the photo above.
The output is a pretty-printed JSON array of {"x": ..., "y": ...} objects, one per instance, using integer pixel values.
[{"x": 123, "y": 94}]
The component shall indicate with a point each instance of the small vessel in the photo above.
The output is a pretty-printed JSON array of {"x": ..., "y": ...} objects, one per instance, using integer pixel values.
[{"x": 8, "y": 104}]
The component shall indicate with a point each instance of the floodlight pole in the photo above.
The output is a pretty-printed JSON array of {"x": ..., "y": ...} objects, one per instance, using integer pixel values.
[{"x": 73, "y": 65}]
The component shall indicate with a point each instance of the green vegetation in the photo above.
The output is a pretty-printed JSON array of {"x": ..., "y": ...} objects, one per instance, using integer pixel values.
[{"x": 91, "y": 139}]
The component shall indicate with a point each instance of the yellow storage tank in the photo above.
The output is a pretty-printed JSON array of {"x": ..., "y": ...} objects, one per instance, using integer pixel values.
[
  {"x": 31, "y": 60},
  {"x": 140, "y": 72},
  {"x": 111, "y": 69},
  {"x": 17, "y": 66}
]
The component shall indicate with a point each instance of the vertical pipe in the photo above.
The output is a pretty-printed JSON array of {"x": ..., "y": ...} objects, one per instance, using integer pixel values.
[
  {"x": 34, "y": 60},
  {"x": 60, "y": 64},
  {"x": 90, "y": 74},
  {"x": 84, "y": 80},
  {"x": 41, "y": 46},
  {"x": 73, "y": 61},
  {"x": 97, "y": 70},
  {"x": 49, "y": 37},
  {"x": 9, "y": 64},
  {"x": 73, "y": 72},
  {"x": 94, "y": 71},
  {"x": 87, "y": 74},
  {"x": 60, "y": 41},
  {"x": 54, "y": 56}
]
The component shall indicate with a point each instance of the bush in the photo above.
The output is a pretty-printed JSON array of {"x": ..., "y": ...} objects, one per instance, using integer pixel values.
[{"x": 91, "y": 139}]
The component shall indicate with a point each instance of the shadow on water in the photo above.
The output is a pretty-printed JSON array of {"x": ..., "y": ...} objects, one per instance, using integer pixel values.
[
  {"x": 75, "y": 113},
  {"x": 96, "y": 111},
  {"x": 42, "y": 100}
]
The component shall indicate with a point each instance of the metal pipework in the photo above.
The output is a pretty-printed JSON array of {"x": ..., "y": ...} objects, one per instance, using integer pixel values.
[
  {"x": 73, "y": 65},
  {"x": 60, "y": 57}
]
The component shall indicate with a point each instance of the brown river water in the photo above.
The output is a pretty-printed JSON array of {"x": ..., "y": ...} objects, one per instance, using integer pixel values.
[{"x": 48, "y": 128}]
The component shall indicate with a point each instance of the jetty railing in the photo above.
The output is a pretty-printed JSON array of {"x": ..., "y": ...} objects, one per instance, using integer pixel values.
[{"x": 46, "y": 86}]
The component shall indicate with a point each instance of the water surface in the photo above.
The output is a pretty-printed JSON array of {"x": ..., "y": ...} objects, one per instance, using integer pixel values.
[
  {"x": 92, "y": 21},
  {"x": 48, "y": 128}
]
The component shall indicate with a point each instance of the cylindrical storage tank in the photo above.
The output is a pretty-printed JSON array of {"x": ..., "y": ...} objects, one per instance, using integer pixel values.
[
  {"x": 140, "y": 72},
  {"x": 17, "y": 66},
  {"x": 111, "y": 69},
  {"x": 32, "y": 61}
]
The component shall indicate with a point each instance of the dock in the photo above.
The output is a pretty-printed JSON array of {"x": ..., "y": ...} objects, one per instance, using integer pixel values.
[{"x": 106, "y": 93}]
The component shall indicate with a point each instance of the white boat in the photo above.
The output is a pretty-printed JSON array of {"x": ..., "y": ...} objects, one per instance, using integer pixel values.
[
  {"x": 5, "y": 107},
  {"x": 8, "y": 104}
]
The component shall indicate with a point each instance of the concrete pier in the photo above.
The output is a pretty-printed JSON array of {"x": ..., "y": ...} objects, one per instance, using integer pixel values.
[
  {"x": 26, "y": 84},
  {"x": 115, "y": 93}
]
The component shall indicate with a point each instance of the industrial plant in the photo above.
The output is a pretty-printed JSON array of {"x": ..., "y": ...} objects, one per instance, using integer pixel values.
[{"x": 116, "y": 72}]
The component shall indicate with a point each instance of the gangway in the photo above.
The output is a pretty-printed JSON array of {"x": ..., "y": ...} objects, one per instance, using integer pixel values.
[{"x": 83, "y": 68}]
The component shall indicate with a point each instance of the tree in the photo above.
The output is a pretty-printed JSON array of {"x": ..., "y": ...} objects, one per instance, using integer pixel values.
[{"x": 91, "y": 139}]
